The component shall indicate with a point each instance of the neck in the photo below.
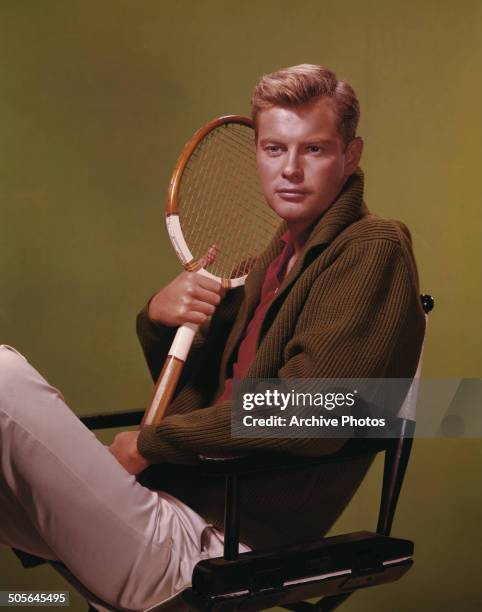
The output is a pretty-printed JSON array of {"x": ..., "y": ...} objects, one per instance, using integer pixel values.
[{"x": 299, "y": 235}]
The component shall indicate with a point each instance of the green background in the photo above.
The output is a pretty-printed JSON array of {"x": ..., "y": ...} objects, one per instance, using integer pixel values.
[{"x": 96, "y": 101}]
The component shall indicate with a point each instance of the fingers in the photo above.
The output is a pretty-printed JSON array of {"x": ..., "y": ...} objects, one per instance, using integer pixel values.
[
  {"x": 124, "y": 449},
  {"x": 196, "y": 311},
  {"x": 203, "y": 307},
  {"x": 199, "y": 299},
  {"x": 207, "y": 283},
  {"x": 190, "y": 298},
  {"x": 203, "y": 281},
  {"x": 210, "y": 296},
  {"x": 191, "y": 316}
]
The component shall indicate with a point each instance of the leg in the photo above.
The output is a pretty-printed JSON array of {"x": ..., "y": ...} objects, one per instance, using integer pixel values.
[{"x": 63, "y": 496}]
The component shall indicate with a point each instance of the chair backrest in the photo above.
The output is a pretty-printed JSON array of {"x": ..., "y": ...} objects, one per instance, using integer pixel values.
[
  {"x": 398, "y": 449},
  {"x": 397, "y": 454}
]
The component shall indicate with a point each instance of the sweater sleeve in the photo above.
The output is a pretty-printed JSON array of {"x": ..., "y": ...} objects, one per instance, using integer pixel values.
[
  {"x": 358, "y": 313},
  {"x": 156, "y": 340}
]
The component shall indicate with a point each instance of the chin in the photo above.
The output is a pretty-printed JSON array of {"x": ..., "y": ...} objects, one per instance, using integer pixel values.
[
  {"x": 291, "y": 212},
  {"x": 286, "y": 214}
]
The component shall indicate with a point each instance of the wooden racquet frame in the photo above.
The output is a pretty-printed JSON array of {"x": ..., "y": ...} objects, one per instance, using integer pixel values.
[{"x": 171, "y": 371}]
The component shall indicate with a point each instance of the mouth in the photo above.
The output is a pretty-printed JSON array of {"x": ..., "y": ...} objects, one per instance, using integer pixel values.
[{"x": 291, "y": 194}]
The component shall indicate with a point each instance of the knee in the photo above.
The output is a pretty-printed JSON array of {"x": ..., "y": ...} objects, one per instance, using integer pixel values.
[
  {"x": 12, "y": 364},
  {"x": 16, "y": 376}
]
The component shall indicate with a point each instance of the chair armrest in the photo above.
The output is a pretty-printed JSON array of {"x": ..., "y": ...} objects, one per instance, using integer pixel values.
[
  {"x": 258, "y": 462},
  {"x": 108, "y": 420}
]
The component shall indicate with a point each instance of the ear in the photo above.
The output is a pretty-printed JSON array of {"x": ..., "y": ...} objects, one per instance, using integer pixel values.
[{"x": 353, "y": 153}]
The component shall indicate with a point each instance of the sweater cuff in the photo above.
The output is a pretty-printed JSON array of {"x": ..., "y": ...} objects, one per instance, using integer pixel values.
[
  {"x": 155, "y": 449},
  {"x": 150, "y": 329},
  {"x": 147, "y": 444}
]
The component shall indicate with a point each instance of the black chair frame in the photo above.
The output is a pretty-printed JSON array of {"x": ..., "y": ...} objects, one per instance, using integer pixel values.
[{"x": 333, "y": 567}]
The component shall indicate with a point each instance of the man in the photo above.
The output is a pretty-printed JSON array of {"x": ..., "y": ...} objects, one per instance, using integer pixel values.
[{"x": 335, "y": 296}]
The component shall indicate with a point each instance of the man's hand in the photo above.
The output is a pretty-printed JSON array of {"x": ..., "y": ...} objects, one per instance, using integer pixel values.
[
  {"x": 124, "y": 449},
  {"x": 190, "y": 298}
]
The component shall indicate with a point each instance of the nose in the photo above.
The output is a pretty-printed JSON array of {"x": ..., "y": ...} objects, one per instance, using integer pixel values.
[{"x": 292, "y": 170}]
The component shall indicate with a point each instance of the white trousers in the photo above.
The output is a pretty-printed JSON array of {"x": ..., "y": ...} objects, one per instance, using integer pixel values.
[{"x": 64, "y": 497}]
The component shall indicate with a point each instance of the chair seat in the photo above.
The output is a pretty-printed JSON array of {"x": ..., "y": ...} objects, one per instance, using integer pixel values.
[{"x": 259, "y": 580}]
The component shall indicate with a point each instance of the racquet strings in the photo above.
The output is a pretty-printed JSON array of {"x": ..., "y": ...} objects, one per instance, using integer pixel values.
[{"x": 220, "y": 201}]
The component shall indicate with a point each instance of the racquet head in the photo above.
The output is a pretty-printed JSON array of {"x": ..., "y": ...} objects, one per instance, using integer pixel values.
[{"x": 217, "y": 218}]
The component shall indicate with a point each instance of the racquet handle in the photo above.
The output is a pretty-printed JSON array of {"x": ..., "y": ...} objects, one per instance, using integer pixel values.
[{"x": 169, "y": 376}]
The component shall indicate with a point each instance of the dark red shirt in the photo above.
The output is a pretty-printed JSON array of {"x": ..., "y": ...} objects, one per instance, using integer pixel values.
[{"x": 247, "y": 348}]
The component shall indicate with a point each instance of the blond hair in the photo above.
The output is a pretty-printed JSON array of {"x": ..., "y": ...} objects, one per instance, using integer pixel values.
[{"x": 303, "y": 84}]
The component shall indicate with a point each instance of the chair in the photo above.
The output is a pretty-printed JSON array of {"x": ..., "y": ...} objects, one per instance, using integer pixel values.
[{"x": 332, "y": 568}]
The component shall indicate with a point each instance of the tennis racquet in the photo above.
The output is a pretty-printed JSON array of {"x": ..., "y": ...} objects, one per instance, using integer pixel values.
[{"x": 218, "y": 222}]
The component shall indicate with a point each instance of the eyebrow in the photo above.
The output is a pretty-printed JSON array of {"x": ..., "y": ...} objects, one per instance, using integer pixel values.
[
  {"x": 315, "y": 141},
  {"x": 325, "y": 141}
]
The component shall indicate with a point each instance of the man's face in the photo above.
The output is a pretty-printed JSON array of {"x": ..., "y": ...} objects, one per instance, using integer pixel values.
[{"x": 302, "y": 160}]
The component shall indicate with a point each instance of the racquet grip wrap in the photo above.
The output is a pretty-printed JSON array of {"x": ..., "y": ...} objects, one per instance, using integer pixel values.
[{"x": 169, "y": 376}]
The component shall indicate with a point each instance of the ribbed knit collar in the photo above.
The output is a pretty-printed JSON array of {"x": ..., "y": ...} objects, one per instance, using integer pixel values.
[{"x": 346, "y": 208}]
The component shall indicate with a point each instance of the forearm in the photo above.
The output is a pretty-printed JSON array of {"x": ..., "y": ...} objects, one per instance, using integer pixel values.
[{"x": 180, "y": 438}]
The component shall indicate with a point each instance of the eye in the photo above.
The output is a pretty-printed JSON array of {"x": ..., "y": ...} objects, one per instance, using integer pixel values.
[
  {"x": 273, "y": 149},
  {"x": 314, "y": 149}
]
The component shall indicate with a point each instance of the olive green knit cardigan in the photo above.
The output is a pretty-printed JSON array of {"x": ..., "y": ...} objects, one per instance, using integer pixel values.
[{"x": 349, "y": 307}]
